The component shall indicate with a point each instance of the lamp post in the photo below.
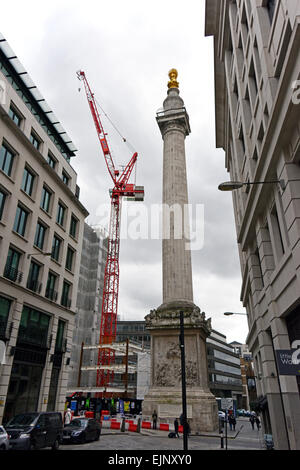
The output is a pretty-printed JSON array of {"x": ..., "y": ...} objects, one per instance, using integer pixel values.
[
  {"x": 233, "y": 185},
  {"x": 183, "y": 382},
  {"x": 234, "y": 313}
]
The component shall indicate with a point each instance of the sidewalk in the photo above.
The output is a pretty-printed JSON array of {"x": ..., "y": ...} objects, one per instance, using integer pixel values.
[{"x": 159, "y": 433}]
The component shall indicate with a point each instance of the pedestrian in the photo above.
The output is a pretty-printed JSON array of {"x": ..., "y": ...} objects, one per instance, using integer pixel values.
[
  {"x": 68, "y": 416},
  {"x": 233, "y": 420},
  {"x": 257, "y": 422},
  {"x": 154, "y": 419},
  {"x": 176, "y": 427},
  {"x": 252, "y": 420}
]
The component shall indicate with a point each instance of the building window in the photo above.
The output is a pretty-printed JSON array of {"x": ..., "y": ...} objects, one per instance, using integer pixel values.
[
  {"x": 15, "y": 115},
  {"x": 45, "y": 201},
  {"x": 60, "y": 336},
  {"x": 65, "y": 178},
  {"x": 34, "y": 327},
  {"x": 73, "y": 226},
  {"x": 56, "y": 248},
  {"x": 69, "y": 259},
  {"x": 6, "y": 159},
  {"x": 51, "y": 160},
  {"x": 20, "y": 221},
  {"x": 35, "y": 141},
  {"x": 271, "y": 4},
  {"x": 253, "y": 83},
  {"x": 40, "y": 235},
  {"x": 65, "y": 300},
  {"x": 277, "y": 235},
  {"x": 2, "y": 202},
  {"x": 4, "y": 313},
  {"x": 33, "y": 277},
  {"x": 50, "y": 289},
  {"x": 259, "y": 266},
  {"x": 27, "y": 182},
  {"x": 60, "y": 214},
  {"x": 12, "y": 265}
]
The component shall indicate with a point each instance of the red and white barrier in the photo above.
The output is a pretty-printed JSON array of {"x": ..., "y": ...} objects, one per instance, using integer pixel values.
[{"x": 131, "y": 425}]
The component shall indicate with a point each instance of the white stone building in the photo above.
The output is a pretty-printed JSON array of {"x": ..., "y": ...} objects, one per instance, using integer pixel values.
[
  {"x": 41, "y": 227},
  {"x": 257, "y": 71}
]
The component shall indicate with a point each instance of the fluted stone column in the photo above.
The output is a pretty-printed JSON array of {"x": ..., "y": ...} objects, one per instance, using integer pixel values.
[
  {"x": 177, "y": 269},
  {"x": 165, "y": 393}
]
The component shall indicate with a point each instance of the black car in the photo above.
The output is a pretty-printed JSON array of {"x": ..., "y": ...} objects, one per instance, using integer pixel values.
[
  {"x": 35, "y": 430},
  {"x": 81, "y": 430}
]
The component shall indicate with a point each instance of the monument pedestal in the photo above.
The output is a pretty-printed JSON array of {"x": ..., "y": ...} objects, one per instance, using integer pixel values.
[{"x": 165, "y": 393}]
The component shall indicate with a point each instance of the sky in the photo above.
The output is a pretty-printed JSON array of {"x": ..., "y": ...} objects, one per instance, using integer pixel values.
[{"x": 126, "y": 50}]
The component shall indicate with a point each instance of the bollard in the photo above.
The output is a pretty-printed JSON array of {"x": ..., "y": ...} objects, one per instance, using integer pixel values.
[
  {"x": 222, "y": 440},
  {"x": 139, "y": 425},
  {"x": 123, "y": 425}
]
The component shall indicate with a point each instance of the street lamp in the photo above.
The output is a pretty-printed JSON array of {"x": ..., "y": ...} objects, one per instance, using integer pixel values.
[
  {"x": 183, "y": 381},
  {"x": 234, "y": 313},
  {"x": 233, "y": 185}
]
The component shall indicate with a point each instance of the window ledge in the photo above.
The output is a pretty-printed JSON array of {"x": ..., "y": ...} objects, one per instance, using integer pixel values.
[
  {"x": 27, "y": 195},
  {"x": 45, "y": 212},
  {"x": 55, "y": 261},
  {"x": 19, "y": 235},
  {"x": 7, "y": 176},
  {"x": 61, "y": 226}
]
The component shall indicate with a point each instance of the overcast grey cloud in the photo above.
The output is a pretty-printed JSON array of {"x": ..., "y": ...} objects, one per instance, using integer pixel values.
[{"x": 126, "y": 50}]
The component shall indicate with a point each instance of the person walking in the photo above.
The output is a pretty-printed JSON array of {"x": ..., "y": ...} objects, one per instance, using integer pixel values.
[
  {"x": 252, "y": 420},
  {"x": 257, "y": 420},
  {"x": 176, "y": 427},
  {"x": 154, "y": 419},
  {"x": 233, "y": 421},
  {"x": 68, "y": 416}
]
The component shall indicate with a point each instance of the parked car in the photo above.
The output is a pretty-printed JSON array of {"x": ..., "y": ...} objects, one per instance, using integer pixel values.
[
  {"x": 81, "y": 430},
  {"x": 221, "y": 415},
  {"x": 4, "y": 441},
  {"x": 35, "y": 430},
  {"x": 244, "y": 413}
]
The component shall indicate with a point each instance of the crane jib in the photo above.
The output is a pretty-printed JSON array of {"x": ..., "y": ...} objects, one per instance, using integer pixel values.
[{"x": 111, "y": 276}]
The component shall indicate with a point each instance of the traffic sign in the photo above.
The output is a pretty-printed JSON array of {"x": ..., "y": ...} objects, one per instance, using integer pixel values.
[{"x": 226, "y": 403}]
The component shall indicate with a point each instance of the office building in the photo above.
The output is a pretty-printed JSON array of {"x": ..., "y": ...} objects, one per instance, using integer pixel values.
[
  {"x": 224, "y": 371},
  {"x": 257, "y": 67},
  {"x": 41, "y": 227}
]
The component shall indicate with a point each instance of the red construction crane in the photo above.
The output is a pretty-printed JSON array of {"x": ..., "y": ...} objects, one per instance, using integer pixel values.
[{"x": 121, "y": 188}]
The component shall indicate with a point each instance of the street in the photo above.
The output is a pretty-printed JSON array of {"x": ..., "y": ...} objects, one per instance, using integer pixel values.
[{"x": 244, "y": 438}]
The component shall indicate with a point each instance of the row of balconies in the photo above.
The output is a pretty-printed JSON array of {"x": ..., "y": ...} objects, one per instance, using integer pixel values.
[{"x": 15, "y": 275}]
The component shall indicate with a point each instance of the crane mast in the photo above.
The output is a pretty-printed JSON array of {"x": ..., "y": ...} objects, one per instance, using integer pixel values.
[{"x": 108, "y": 324}]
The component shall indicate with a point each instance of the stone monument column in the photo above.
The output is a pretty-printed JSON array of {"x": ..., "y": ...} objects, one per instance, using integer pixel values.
[
  {"x": 174, "y": 126},
  {"x": 165, "y": 393}
]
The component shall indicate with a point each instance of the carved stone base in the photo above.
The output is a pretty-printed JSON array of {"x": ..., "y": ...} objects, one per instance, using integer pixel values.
[
  {"x": 202, "y": 409},
  {"x": 165, "y": 395}
]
